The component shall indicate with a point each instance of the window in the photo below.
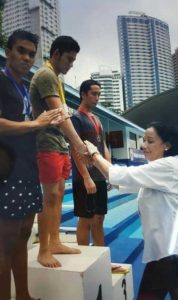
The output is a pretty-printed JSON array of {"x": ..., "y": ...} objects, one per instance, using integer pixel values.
[
  {"x": 115, "y": 139},
  {"x": 133, "y": 140}
]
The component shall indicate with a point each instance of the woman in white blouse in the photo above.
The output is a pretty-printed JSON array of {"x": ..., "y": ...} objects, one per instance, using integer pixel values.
[{"x": 157, "y": 183}]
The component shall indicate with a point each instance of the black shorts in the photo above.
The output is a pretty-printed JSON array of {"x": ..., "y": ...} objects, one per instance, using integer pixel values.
[
  {"x": 88, "y": 205},
  {"x": 19, "y": 198},
  {"x": 160, "y": 276}
]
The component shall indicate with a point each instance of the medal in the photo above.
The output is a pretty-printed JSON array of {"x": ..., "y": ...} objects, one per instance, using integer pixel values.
[
  {"x": 23, "y": 95},
  {"x": 99, "y": 138},
  {"x": 94, "y": 121}
]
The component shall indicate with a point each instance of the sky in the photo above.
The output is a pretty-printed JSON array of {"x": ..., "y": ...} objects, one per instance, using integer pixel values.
[{"x": 93, "y": 24}]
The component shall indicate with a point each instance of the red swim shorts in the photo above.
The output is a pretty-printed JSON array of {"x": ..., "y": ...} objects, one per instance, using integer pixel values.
[{"x": 53, "y": 166}]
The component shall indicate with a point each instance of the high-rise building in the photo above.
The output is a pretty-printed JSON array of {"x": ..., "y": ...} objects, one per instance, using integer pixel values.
[
  {"x": 111, "y": 88},
  {"x": 175, "y": 63},
  {"x": 145, "y": 56},
  {"x": 38, "y": 16}
]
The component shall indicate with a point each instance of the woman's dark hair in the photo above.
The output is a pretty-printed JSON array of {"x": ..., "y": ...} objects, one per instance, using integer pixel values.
[
  {"x": 168, "y": 134},
  {"x": 63, "y": 44},
  {"x": 21, "y": 34}
]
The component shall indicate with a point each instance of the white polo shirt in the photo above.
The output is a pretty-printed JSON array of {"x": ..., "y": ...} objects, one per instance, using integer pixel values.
[{"x": 157, "y": 183}]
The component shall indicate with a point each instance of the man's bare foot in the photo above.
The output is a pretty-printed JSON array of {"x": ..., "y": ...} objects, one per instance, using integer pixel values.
[
  {"x": 47, "y": 260},
  {"x": 62, "y": 249}
]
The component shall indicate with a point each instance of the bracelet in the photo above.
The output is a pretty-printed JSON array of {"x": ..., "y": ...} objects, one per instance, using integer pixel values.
[{"x": 96, "y": 152}]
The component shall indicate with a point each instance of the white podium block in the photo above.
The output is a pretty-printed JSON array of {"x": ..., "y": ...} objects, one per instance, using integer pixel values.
[
  {"x": 122, "y": 284},
  {"x": 117, "y": 286},
  {"x": 85, "y": 276}
]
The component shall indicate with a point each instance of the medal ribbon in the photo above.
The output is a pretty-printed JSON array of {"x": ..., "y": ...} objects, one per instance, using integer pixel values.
[
  {"x": 23, "y": 95},
  {"x": 61, "y": 89},
  {"x": 94, "y": 121}
]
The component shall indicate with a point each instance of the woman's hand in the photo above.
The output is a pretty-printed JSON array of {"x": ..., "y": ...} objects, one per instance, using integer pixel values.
[
  {"x": 92, "y": 149},
  {"x": 98, "y": 161}
]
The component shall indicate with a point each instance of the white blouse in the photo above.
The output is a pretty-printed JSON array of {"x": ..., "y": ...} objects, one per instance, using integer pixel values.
[{"x": 157, "y": 182}]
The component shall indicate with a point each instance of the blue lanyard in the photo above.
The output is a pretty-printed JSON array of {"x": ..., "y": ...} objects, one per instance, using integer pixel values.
[{"x": 24, "y": 95}]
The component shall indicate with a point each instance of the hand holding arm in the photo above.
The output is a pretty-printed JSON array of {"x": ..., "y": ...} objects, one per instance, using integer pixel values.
[
  {"x": 52, "y": 117},
  {"x": 99, "y": 162},
  {"x": 68, "y": 129}
]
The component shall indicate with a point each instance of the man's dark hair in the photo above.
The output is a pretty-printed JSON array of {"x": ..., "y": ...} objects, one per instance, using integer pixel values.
[
  {"x": 63, "y": 44},
  {"x": 168, "y": 134},
  {"x": 86, "y": 85},
  {"x": 20, "y": 34}
]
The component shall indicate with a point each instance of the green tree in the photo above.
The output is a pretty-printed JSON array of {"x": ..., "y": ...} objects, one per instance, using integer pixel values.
[{"x": 3, "y": 38}]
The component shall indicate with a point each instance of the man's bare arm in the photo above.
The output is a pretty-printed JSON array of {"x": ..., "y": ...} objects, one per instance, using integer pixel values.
[
  {"x": 67, "y": 126},
  {"x": 88, "y": 181},
  {"x": 45, "y": 119}
]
